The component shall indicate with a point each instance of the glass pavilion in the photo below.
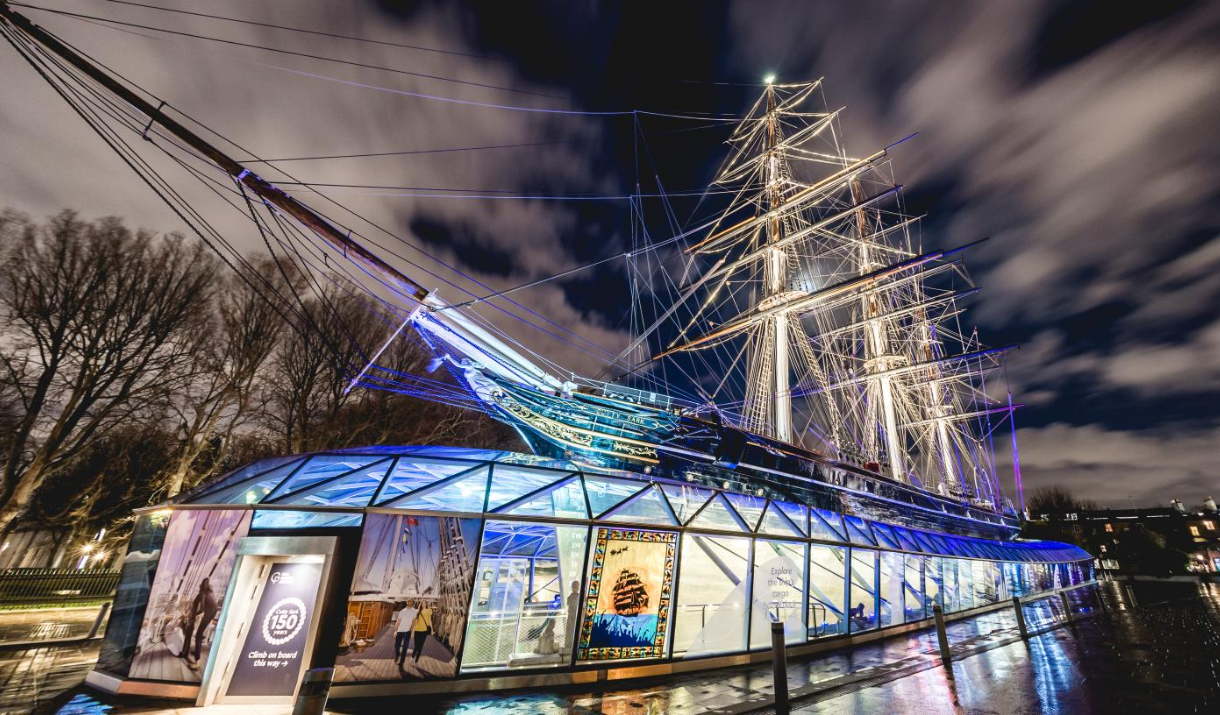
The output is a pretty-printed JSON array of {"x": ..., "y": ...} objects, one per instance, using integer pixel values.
[{"x": 511, "y": 564}]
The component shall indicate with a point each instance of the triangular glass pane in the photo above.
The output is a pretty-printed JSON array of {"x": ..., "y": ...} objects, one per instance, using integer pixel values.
[
  {"x": 774, "y": 521},
  {"x": 509, "y": 483},
  {"x": 649, "y": 508},
  {"x": 858, "y": 531},
  {"x": 718, "y": 515},
  {"x": 565, "y": 499},
  {"x": 686, "y": 499},
  {"x": 321, "y": 467},
  {"x": 411, "y": 473},
  {"x": 905, "y": 539},
  {"x": 826, "y": 525},
  {"x": 463, "y": 493},
  {"x": 750, "y": 508},
  {"x": 797, "y": 513},
  {"x": 605, "y": 493},
  {"x": 241, "y": 474},
  {"x": 925, "y": 544},
  {"x": 355, "y": 489},
  {"x": 251, "y": 491},
  {"x": 884, "y": 536}
]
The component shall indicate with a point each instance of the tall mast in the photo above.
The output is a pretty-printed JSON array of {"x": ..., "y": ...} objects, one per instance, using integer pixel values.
[
  {"x": 879, "y": 360},
  {"x": 776, "y": 284}
]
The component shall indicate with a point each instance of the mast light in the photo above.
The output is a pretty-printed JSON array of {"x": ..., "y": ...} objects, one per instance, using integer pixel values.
[{"x": 769, "y": 79}]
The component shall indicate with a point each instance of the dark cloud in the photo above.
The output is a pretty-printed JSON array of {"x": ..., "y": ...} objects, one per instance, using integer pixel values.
[{"x": 1081, "y": 136}]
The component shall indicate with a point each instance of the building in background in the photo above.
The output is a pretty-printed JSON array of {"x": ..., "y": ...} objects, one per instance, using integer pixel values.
[{"x": 1164, "y": 541}]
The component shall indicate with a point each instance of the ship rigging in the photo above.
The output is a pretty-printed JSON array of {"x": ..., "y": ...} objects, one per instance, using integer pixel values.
[{"x": 817, "y": 340}]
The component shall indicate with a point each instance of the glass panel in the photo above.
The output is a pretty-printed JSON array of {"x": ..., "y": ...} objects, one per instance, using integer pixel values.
[
  {"x": 748, "y": 508},
  {"x": 240, "y": 474},
  {"x": 526, "y": 597},
  {"x": 863, "y": 601},
  {"x": 321, "y": 467},
  {"x": 352, "y": 490},
  {"x": 885, "y": 537},
  {"x": 965, "y": 584},
  {"x": 858, "y": 531},
  {"x": 912, "y": 589},
  {"x": 905, "y": 540},
  {"x": 711, "y": 610},
  {"x": 626, "y": 611},
  {"x": 826, "y": 525},
  {"x": 892, "y": 579},
  {"x": 509, "y": 483},
  {"x": 797, "y": 513},
  {"x": 827, "y": 588},
  {"x": 779, "y": 592},
  {"x": 139, "y": 567},
  {"x": 411, "y": 585},
  {"x": 932, "y": 583},
  {"x": 952, "y": 602},
  {"x": 649, "y": 507},
  {"x": 250, "y": 492},
  {"x": 775, "y": 521},
  {"x": 718, "y": 515},
  {"x": 984, "y": 583},
  {"x": 567, "y": 499},
  {"x": 605, "y": 493},
  {"x": 686, "y": 499},
  {"x": 283, "y": 519},
  {"x": 412, "y": 473},
  {"x": 464, "y": 493}
]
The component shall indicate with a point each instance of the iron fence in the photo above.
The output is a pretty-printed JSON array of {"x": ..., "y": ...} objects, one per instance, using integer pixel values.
[{"x": 56, "y": 585}]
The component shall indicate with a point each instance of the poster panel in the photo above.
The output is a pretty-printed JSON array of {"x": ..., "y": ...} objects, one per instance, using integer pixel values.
[
  {"x": 626, "y": 611},
  {"x": 131, "y": 596},
  {"x": 406, "y": 617},
  {"x": 269, "y": 662},
  {"x": 188, "y": 594}
]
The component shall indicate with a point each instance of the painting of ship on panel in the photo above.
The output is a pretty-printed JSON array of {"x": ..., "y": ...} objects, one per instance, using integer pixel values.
[{"x": 626, "y": 611}]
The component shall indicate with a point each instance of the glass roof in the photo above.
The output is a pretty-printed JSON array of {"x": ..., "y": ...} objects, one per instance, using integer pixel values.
[{"x": 509, "y": 484}]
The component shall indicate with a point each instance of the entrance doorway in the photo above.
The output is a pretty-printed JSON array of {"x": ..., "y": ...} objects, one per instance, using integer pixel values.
[{"x": 270, "y": 621}]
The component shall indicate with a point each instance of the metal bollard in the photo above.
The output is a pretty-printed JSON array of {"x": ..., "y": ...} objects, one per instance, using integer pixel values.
[
  {"x": 97, "y": 623},
  {"x": 1016, "y": 606},
  {"x": 779, "y": 666},
  {"x": 941, "y": 635},
  {"x": 315, "y": 688},
  {"x": 1067, "y": 606}
]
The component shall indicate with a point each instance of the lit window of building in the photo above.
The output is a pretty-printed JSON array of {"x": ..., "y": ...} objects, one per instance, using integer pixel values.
[
  {"x": 1194, "y": 531},
  {"x": 1109, "y": 527},
  {"x": 1209, "y": 525}
]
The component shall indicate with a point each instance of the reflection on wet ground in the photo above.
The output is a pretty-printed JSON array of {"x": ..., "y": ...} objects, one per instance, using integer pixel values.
[{"x": 1163, "y": 656}]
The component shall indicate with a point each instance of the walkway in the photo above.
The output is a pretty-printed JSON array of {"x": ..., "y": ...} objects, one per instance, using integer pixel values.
[{"x": 1161, "y": 657}]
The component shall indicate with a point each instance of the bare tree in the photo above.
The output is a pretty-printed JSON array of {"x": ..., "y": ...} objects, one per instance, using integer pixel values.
[
  {"x": 98, "y": 326},
  {"x": 224, "y": 392}
]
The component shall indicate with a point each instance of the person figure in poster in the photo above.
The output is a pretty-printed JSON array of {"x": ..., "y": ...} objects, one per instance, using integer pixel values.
[
  {"x": 203, "y": 610},
  {"x": 423, "y": 626},
  {"x": 404, "y": 625}
]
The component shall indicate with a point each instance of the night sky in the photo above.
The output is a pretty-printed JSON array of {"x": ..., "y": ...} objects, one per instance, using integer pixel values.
[{"x": 1082, "y": 137}]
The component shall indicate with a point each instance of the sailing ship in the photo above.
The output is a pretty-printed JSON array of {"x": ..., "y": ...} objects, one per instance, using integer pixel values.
[
  {"x": 820, "y": 343},
  {"x": 630, "y": 595}
]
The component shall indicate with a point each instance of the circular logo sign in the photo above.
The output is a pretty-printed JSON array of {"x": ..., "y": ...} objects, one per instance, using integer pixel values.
[{"x": 283, "y": 621}]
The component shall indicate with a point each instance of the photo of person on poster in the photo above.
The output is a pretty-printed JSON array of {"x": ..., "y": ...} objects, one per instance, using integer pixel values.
[
  {"x": 410, "y": 594},
  {"x": 187, "y": 596}
]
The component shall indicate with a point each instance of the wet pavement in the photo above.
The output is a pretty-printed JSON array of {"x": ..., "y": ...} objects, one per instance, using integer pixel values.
[{"x": 1162, "y": 656}]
